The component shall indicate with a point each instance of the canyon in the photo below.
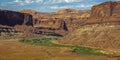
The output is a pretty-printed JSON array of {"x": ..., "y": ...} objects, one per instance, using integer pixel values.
[
  {"x": 103, "y": 19},
  {"x": 96, "y": 28},
  {"x": 55, "y": 23},
  {"x": 55, "y": 20}
]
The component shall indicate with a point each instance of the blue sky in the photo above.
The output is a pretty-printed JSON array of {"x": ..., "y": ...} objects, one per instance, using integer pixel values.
[{"x": 48, "y": 5}]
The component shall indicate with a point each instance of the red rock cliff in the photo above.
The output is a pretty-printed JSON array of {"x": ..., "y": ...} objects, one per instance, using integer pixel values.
[
  {"x": 105, "y": 12},
  {"x": 72, "y": 18},
  {"x": 11, "y": 18}
]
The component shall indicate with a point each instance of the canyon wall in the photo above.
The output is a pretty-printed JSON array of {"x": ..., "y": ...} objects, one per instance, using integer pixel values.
[
  {"x": 105, "y": 12},
  {"x": 101, "y": 30},
  {"x": 60, "y": 22},
  {"x": 55, "y": 20},
  {"x": 14, "y": 24},
  {"x": 11, "y": 18},
  {"x": 107, "y": 9}
]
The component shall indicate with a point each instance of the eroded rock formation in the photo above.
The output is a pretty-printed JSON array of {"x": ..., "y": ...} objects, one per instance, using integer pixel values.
[
  {"x": 107, "y": 9},
  {"x": 72, "y": 18},
  {"x": 102, "y": 29},
  {"x": 11, "y": 18},
  {"x": 105, "y": 12},
  {"x": 32, "y": 12}
]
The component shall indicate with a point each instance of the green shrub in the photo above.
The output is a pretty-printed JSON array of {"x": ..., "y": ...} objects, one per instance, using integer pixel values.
[
  {"x": 86, "y": 51},
  {"x": 76, "y": 49}
]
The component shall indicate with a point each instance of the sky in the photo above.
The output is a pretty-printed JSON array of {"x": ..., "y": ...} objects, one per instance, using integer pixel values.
[{"x": 48, "y": 5}]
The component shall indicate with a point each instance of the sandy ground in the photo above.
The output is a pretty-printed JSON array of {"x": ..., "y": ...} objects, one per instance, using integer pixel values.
[{"x": 14, "y": 50}]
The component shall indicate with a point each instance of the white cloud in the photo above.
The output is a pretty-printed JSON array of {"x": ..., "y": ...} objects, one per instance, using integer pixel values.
[
  {"x": 39, "y": 1},
  {"x": 17, "y": 1},
  {"x": 27, "y": 1},
  {"x": 61, "y": 1},
  {"x": 84, "y": 6},
  {"x": 68, "y": 1},
  {"x": 58, "y": 7},
  {"x": 46, "y": 1},
  {"x": 115, "y": 0},
  {"x": 79, "y": 6}
]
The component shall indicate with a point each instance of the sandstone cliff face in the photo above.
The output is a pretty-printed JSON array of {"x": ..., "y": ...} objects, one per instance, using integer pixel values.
[
  {"x": 107, "y": 9},
  {"x": 11, "y": 18},
  {"x": 51, "y": 24},
  {"x": 32, "y": 12},
  {"x": 72, "y": 13},
  {"x": 67, "y": 11},
  {"x": 69, "y": 18},
  {"x": 14, "y": 24},
  {"x": 105, "y": 12},
  {"x": 102, "y": 29}
]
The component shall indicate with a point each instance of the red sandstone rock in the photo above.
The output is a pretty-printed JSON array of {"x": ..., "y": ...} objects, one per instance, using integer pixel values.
[
  {"x": 32, "y": 12},
  {"x": 105, "y": 12},
  {"x": 101, "y": 31},
  {"x": 11, "y": 18},
  {"x": 72, "y": 18}
]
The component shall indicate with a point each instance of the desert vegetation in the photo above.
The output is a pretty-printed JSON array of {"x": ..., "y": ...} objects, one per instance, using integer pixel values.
[{"x": 75, "y": 49}]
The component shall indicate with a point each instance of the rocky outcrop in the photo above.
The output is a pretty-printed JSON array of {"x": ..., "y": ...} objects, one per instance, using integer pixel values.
[
  {"x": 67, "y": 11},
  {"x": 72, "y": 13},
  {"x": 97, "y": 35},
  {"x": 105, "y": 12},
  {"x": 14, "y": 24},
  {"x": 107, "y": 9},
  {"x": 66, "y": 19},
  {"x": 32, "y": 12},
  {"x": 51, "y": 24},
  {"x": 11, "y": 18},
  {"x": 102, "y": 29}
]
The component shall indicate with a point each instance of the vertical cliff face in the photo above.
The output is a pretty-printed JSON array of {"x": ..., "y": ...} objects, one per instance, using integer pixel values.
[
  {"x": 62, "y": 21},
  {"x": 71, "y": 18},
  {"x": 28, "y": 20},
  {"x": 51, "y": 24},
  {"x": 102, "y": 10},
  {"x": 105, "y": 12},
  {"x": 11, "y": 18},
  {"x": 107, "y": 9}
]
